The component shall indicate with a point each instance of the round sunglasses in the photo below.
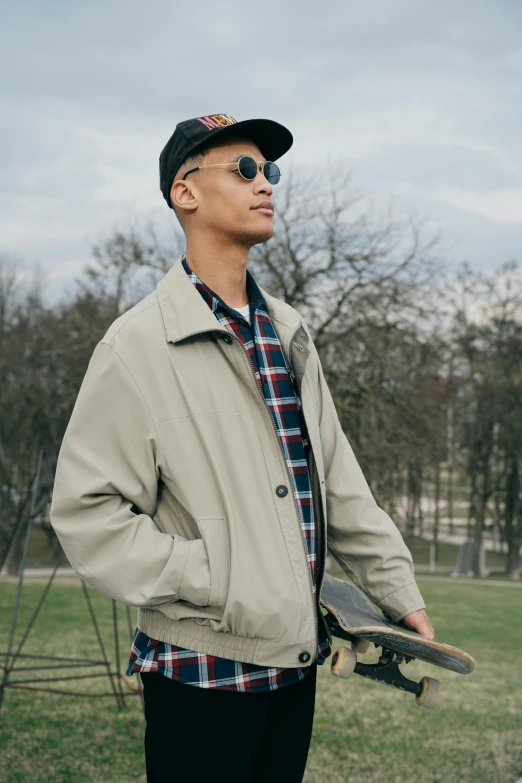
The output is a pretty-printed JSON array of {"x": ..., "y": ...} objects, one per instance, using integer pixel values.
[{"x": 247, "y": 167}]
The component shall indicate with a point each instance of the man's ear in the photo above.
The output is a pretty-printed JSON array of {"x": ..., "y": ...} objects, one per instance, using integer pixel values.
[{"x": 183, "y": 197}]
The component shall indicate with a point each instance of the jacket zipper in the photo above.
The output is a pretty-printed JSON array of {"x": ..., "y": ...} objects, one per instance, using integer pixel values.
[
  {"x": 318, "y": 521},
  {"x": 323, "y": 545},
  {"x": 284, "y": 460}
]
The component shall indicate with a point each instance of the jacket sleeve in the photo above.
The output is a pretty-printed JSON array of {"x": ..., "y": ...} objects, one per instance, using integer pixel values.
[
  {"x": 361, "y": 536},
  {"x": 105, "y": 492}
]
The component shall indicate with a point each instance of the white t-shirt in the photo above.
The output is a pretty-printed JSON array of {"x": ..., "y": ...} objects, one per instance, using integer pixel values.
[{"x": 245, "y": 311}]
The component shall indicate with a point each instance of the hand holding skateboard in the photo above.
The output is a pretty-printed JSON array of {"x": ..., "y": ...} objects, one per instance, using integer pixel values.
[
  {"x": 350, "y": 615},
  {"x": 420, "y": 622}
]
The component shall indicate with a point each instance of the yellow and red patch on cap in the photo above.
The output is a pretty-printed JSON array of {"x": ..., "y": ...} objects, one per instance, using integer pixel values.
[{"x": 216, "y": 121}]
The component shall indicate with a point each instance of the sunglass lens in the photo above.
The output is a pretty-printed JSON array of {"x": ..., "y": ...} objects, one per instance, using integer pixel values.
[
  {"x": 247, "y": 167},
  {"x": 272, "y": 172}
]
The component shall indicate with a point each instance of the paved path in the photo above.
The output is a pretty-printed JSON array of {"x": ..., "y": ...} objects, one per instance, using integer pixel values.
[
  {"x": 42, "y": 572},
  {"x": 468, "y": 581}
]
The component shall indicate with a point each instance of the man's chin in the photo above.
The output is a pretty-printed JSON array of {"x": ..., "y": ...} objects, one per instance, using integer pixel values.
[
  {"x": 257, "y": 234},
  {"x": 264, "y": 235}
]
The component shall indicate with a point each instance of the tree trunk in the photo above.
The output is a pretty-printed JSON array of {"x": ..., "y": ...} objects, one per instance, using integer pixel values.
[
  {"x": 513, "y": 523},
  {"x": 436, "y": 516},
  {"x": 513, "y": 560},
  {"x": 411, "y": 506},
  {"x": 477, "y": 537},
  {"x": 14, "y": 554},
  {"x": 451, "y": 461}
]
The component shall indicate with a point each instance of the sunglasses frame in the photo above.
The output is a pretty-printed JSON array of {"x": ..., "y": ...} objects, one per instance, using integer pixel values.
[{"x": 260, "y": 167}]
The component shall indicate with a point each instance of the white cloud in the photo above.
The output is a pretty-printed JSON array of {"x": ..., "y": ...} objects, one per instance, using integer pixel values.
[
  {"x": 421, "y": 99},
  {"x": 499, "y": 206}
]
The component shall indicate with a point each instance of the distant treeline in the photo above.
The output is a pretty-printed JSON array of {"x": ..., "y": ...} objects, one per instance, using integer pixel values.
[{"x": 424, "y": 361}]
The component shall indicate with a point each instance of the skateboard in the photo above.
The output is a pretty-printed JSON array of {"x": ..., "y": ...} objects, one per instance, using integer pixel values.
[{"x": 351, "y": 616}]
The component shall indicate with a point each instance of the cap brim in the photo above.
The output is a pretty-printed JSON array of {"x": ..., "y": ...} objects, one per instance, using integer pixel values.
[{"x": 272, "y": 138}]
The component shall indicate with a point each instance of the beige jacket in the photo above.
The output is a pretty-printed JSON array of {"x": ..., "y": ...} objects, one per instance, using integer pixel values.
[{"x": 168, "y": 497}]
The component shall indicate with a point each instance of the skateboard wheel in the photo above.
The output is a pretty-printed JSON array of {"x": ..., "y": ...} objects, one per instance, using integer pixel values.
[
  {"x": 343, "y": 663},
  {"x": 430, "y": 694},
  {"x": 361, "y": 646}
]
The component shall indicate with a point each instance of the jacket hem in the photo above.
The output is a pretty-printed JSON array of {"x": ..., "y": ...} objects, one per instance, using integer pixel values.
[{"x": 201, "y": 638}]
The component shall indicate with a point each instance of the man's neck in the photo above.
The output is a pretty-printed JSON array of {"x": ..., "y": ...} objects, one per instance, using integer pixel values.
[{"x": 223, "y": 270}]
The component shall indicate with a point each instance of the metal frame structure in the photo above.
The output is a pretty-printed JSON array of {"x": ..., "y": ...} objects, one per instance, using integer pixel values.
[{"x": 9, "y": 666}]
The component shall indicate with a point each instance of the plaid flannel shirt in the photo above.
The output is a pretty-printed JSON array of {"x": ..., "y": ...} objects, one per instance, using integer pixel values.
[{"x": 277, "y": 382}]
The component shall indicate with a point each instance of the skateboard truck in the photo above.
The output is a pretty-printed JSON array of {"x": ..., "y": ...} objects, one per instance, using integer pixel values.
[{"x": 344, "y": 663}]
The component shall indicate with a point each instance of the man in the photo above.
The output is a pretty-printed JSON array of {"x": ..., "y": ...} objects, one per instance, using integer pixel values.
[{"x": 203, "y": 474}]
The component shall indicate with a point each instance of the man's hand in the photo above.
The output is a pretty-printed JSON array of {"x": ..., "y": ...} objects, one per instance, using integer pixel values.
[{"x": 420, "y": 622}]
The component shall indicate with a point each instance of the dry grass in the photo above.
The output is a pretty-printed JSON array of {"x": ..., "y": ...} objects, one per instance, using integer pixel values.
[{"x": 363, "y": 731}]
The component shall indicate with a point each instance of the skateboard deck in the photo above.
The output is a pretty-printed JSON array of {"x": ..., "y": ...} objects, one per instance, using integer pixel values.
[{"x": 350, "y": 615}]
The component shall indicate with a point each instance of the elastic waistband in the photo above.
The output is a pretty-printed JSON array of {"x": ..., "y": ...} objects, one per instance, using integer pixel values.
[
  {"x": 201, "y": 637},
  {"x": 196, "y": 636}
]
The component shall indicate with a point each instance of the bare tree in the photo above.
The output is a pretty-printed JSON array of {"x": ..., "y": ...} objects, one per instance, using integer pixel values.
[{"x": 427, "y": 387}]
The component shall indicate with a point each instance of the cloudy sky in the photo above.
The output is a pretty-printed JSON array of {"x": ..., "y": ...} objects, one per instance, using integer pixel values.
[{"x": 422, "y": 99}]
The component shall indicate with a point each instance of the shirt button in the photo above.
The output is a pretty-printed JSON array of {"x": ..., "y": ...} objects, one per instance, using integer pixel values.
[
  {"x": 281, "y": 490},
  {"x": 227, "y": 338},
  {"x": 304, "y": 656}
]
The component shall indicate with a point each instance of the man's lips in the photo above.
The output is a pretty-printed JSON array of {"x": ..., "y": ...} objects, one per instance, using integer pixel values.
[{"x": 265, "y": 206}]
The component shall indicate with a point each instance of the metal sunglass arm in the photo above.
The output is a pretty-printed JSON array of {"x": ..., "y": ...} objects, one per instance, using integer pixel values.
[{"x": 230, "y": 163}]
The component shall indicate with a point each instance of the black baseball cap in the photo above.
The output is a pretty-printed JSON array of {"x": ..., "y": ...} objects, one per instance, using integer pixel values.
[{"x": 272, "y": 138}]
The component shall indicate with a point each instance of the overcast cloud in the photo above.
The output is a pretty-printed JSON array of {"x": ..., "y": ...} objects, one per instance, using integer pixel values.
[{"x": 422, "y": 99}]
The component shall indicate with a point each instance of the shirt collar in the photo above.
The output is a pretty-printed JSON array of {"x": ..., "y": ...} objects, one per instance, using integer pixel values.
[{"x": 255, "y": 297}]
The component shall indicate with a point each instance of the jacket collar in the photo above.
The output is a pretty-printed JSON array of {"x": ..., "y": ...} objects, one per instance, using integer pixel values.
[
  {"x": 185, "y": 312},
  {"x": 213, "y": 300}
]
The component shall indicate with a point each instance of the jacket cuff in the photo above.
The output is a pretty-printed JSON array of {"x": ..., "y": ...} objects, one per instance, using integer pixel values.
[{"x": 402, "y": 602}]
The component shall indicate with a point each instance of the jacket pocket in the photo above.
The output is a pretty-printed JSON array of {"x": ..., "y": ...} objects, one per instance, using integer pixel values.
[{"x": 215, "y": 534}]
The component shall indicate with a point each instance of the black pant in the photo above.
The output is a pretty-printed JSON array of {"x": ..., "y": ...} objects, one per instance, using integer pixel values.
[{"x": 195, "y": 734}]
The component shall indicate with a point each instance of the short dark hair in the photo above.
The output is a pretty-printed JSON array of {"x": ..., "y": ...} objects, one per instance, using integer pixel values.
[{"x": 197, "y": 158}]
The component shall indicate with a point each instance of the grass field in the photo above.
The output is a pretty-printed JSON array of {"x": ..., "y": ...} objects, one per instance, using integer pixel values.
[{"x": 363, "y": 731}]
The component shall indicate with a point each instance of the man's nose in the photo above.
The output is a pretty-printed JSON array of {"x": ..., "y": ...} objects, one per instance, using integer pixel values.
[{"x": 261, "y": 184}]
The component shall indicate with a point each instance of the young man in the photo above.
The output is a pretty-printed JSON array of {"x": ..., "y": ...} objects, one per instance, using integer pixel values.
[{"x": 204, "y": 473}]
